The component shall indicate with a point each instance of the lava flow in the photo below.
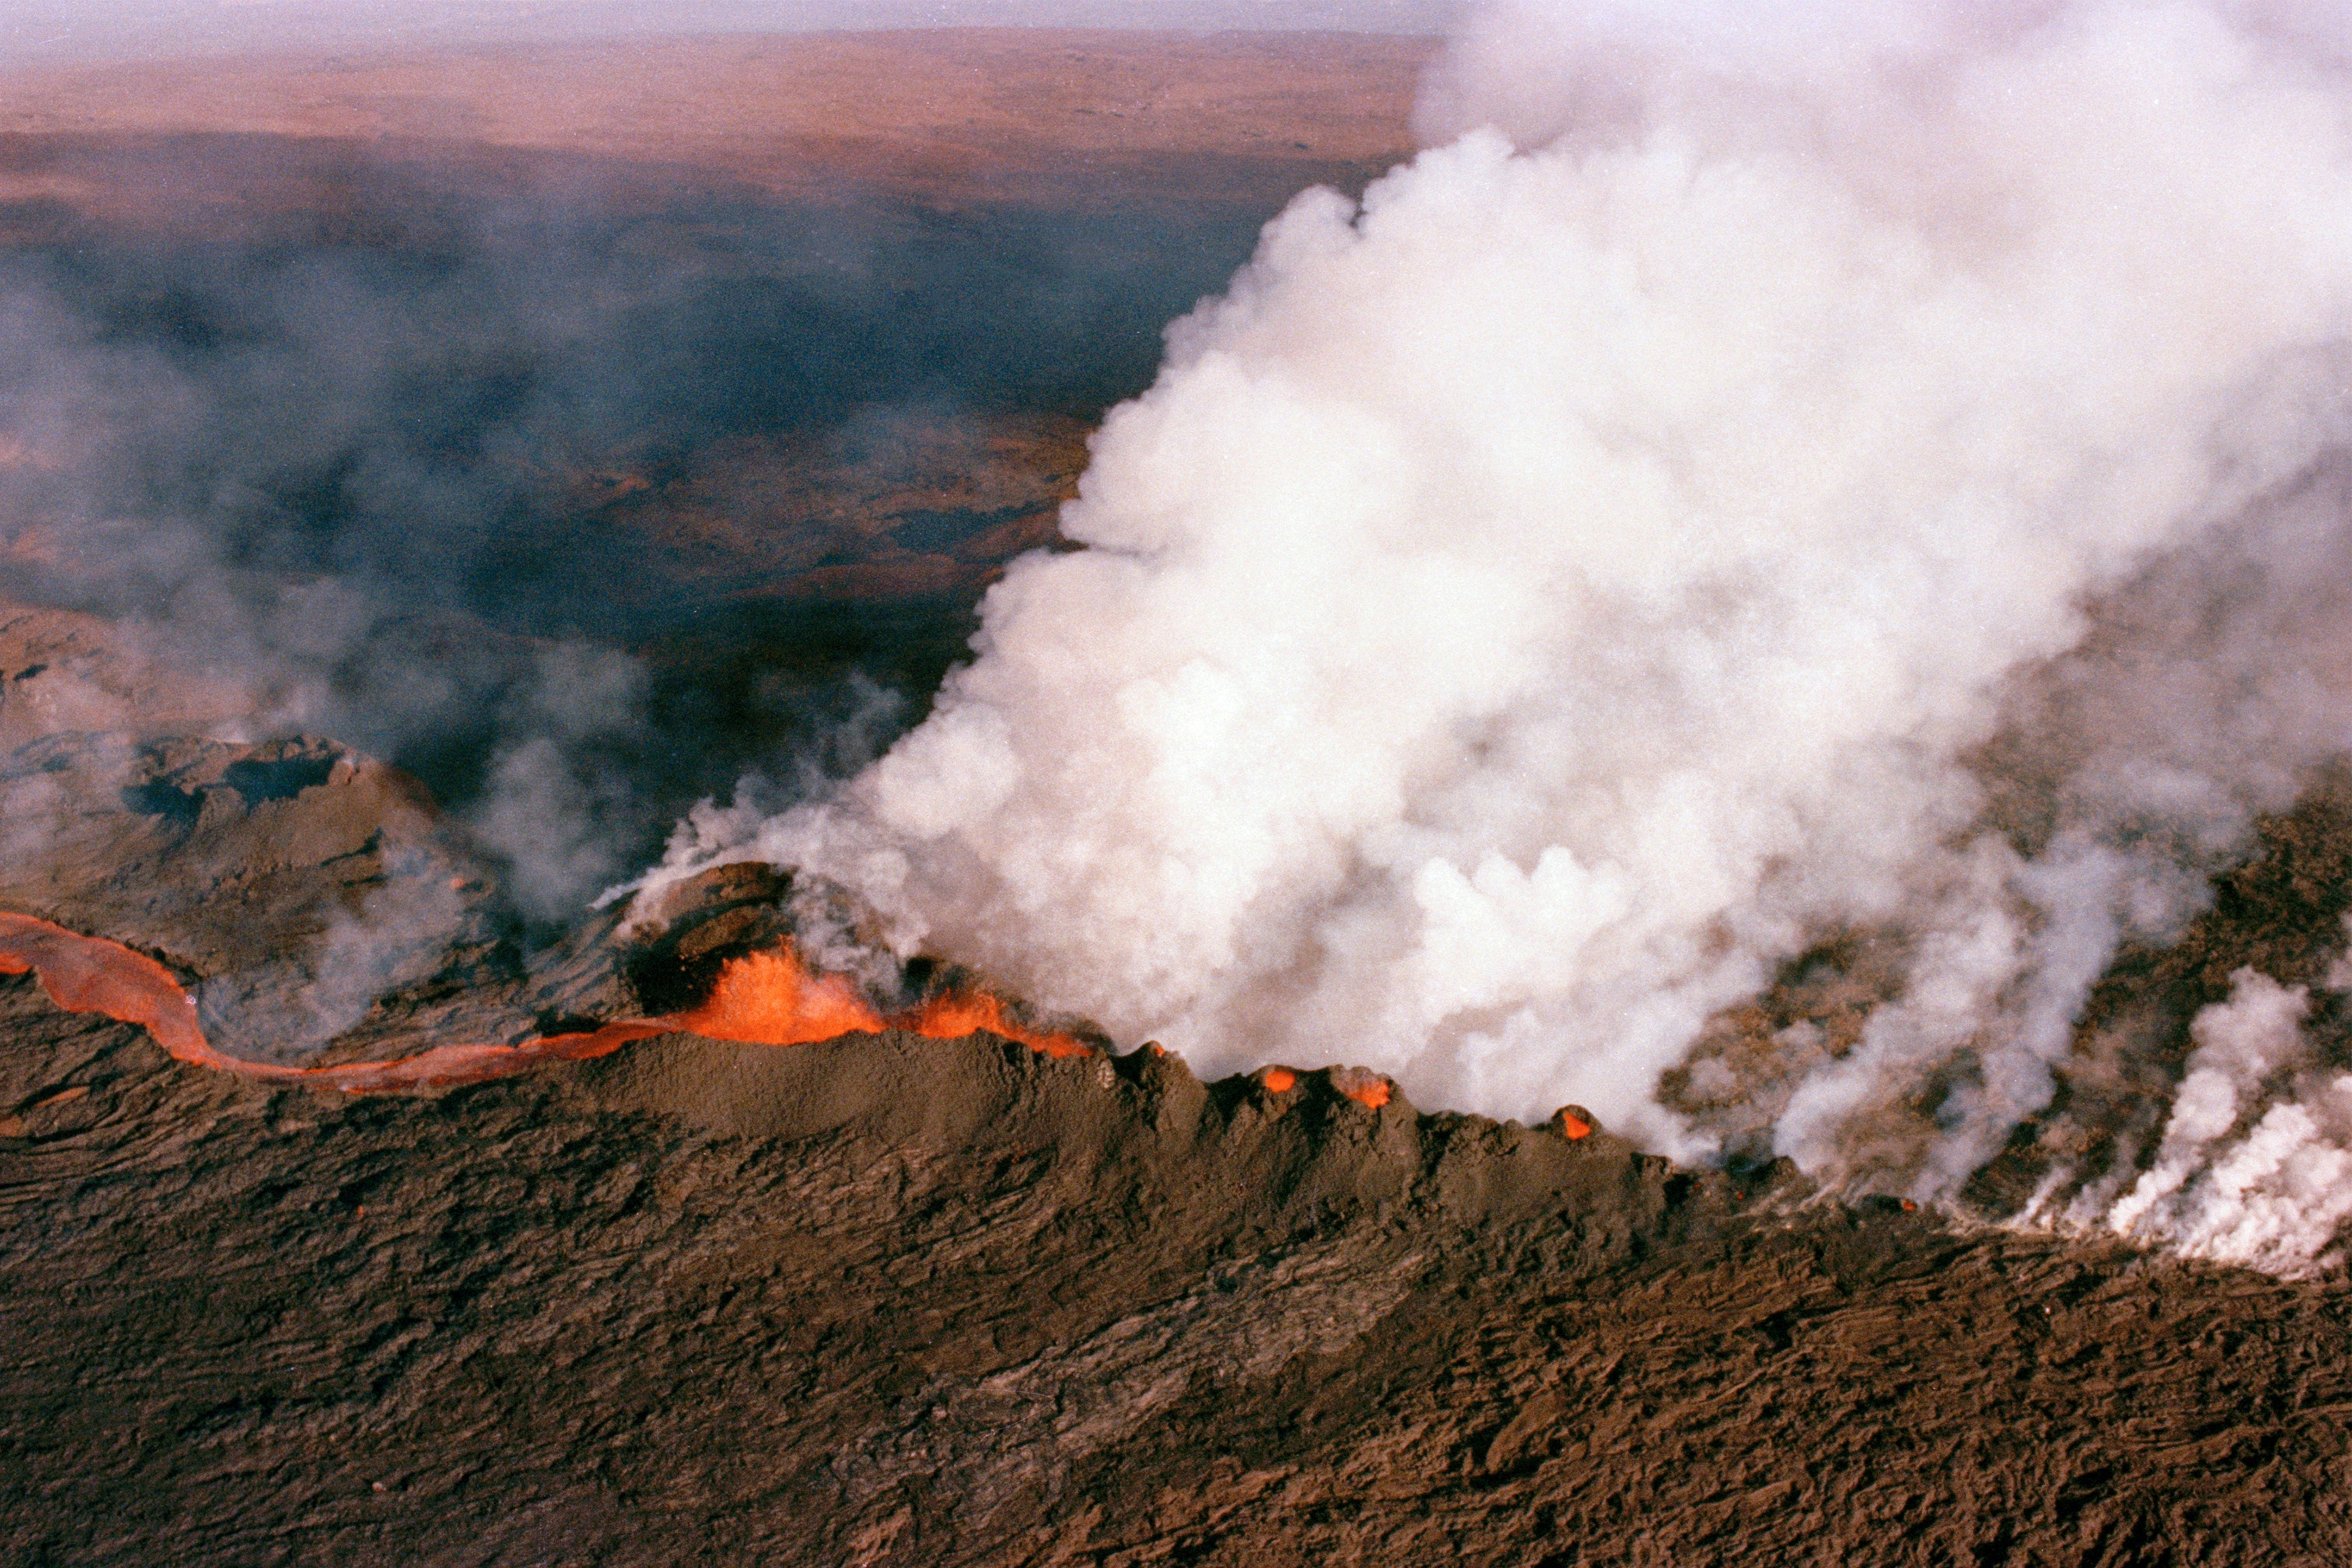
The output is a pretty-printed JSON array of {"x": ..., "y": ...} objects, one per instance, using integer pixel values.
[
  {"x": 90, "y": 974},
  {"x": 770, "y": 999},
  {"x": 762, "y": 998}
]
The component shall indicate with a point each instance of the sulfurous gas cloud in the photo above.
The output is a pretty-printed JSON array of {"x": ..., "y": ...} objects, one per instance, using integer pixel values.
[{"x": 1537, "y": 603}]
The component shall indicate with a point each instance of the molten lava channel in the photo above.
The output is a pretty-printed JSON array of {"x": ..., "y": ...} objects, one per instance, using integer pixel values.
[{"x": 762, "y": 998}]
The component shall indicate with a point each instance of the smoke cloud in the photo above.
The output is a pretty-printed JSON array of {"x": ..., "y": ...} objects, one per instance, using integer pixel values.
[
  {"x": 264, "y": 482},
  {"x": 373, "y": 482},
  {"x": 573, "y": 488},
  {"x": 2272, "y": 1195},
  {"x": 1538, "y": 603}
]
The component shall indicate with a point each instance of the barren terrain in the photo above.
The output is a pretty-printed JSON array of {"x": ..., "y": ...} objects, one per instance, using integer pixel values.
[{"x": 754, "y": 360}]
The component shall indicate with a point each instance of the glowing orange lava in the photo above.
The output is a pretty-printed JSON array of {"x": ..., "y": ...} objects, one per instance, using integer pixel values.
[
  {"x": 90, "y": 974},
  {"x": 762, "y": 998},
  {"x": 82, "y": 975},
  {"x": 1571, "y": 1125},
  {"x": 958, "y": 1014},
  {"x": 770, "y": 999},
  {"x": 1278, "y": 1080}
]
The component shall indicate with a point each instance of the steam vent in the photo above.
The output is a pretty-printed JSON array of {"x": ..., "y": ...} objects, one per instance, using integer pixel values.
[{"x": 1176, "y": 781}]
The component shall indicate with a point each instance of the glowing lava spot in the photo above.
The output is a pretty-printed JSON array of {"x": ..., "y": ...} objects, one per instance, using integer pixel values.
[
  {"x": 962, "y": 1013},
  {"x": 762, "y": 998},
  {"x": 1278, "y": 1080},
  {"x": 771, "y": 999},
  {"x": 1574, "y": 1121}
]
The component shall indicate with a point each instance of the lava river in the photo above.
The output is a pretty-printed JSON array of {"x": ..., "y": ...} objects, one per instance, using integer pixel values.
[{"x": 762, "y": 998}]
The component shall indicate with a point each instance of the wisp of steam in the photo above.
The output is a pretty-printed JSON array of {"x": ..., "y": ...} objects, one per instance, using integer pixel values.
[{"x": 1536, "y": 604}]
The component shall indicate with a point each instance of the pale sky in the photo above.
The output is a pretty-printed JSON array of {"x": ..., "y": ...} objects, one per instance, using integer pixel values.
[{"x": 35, "y": 31}]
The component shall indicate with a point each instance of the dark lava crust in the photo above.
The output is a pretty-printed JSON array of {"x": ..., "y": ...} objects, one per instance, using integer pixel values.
[{"x": 895, "y": 1301}]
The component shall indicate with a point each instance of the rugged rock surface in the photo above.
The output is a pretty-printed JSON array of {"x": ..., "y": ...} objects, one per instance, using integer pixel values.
[
  {"x": 899, "y": 1301},
  {"x": 766, "y": 409}
]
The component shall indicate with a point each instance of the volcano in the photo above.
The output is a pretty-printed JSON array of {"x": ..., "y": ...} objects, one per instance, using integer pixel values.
[{"x": 427, "y": 480}]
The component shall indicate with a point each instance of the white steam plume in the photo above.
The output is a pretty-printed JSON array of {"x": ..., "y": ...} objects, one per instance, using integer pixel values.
[
  {"x": 2273, "y": 1197},
  {"x": 1532, "y": 606}
]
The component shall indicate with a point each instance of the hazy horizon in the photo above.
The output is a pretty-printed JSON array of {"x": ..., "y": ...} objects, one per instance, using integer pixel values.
[{"x": 62, "y": 32}]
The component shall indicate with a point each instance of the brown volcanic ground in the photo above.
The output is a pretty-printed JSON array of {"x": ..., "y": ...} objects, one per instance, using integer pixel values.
[{"x": 810, "y": 335}]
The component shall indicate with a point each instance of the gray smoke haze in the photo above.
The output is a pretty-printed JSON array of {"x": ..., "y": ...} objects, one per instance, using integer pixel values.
[
  {"x": 1536, "y": 605},
  {"x": 464, "y": 459},
  {"x": 269, "y": 492}
]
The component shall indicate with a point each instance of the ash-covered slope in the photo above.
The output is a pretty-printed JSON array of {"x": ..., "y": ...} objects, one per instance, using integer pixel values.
[{"x": 899, "y": 1301}]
